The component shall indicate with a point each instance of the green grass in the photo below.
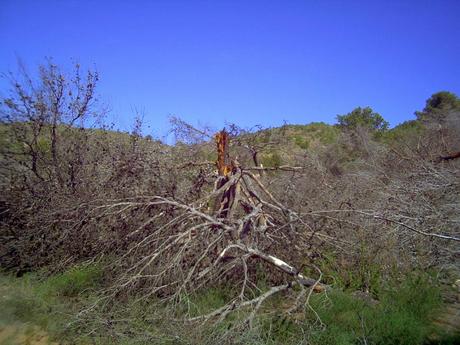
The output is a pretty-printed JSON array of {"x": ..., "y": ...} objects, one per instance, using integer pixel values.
[
  {"x": 402, "y": 316},
  {"x": 49, "y": 303},
  {"x": 71, "y": 283}
]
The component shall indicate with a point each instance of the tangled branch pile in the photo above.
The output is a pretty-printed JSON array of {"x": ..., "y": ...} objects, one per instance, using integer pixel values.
[{"x": 172, "y": 225}]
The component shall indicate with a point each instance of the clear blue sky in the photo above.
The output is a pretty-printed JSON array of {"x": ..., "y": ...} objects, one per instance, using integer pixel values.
[{"x": 248, "y": 62}]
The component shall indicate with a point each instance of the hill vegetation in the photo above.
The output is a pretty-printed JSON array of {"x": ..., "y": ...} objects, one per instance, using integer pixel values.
[{"x": 315, "y": 234}]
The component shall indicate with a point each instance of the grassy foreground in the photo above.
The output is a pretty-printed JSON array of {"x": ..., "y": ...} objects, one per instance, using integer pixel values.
[{"x": 38, "y": 310}]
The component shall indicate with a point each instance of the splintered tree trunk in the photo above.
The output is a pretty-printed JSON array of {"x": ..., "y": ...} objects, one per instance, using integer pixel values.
[
  {"x": 225, "y": 201},
  {"x": 223, "y": 156}
]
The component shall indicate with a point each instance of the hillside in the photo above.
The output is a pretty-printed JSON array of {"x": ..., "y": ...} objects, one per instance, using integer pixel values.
[{"x": 316, "y": 233}]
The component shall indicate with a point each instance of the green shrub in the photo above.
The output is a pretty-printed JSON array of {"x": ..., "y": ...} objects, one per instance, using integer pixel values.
[
  {"x": 304, "y": 136},
  {"x": 403, "y": 131},
  {"x": 272, "y": 159},
  {"x": 302, "y": 142},
  {"x": 325, "y": 133}
]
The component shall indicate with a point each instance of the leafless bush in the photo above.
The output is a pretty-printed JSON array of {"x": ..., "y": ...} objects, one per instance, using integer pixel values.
[{"x": 53, "y": 160}]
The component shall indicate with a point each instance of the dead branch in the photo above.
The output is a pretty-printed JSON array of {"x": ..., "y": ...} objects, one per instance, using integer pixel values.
[{"x": 281, "y": 265}]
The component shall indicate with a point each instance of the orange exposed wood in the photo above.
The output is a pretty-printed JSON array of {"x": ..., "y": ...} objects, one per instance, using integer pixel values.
[
  {"x": 225, "y": 202},
  {"x": 451, "y": 156},
  {"x": 223, "y": 166}
]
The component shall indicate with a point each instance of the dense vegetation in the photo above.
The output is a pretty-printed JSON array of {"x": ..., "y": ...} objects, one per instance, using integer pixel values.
[{"x": 318, "y": 233}]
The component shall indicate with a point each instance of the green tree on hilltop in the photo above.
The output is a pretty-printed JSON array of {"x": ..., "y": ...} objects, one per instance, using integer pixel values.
[
  {"x": 439, "y": 107},
  {"x": 363, "y": 117}
]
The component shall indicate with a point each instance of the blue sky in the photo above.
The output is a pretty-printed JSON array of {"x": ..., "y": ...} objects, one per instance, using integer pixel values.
[{"x": 247, "y": 62}]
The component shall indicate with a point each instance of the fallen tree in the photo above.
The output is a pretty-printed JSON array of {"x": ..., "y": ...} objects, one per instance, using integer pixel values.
[
  {"x": 219, "y": 238},
  {"x": 225, "y": 237}
]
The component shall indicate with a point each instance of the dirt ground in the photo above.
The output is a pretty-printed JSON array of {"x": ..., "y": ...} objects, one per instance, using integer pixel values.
[{"x": 18, "y": 334}]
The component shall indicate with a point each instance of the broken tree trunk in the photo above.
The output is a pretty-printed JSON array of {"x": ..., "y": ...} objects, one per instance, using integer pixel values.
[{"x": 225, "y": 202}]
